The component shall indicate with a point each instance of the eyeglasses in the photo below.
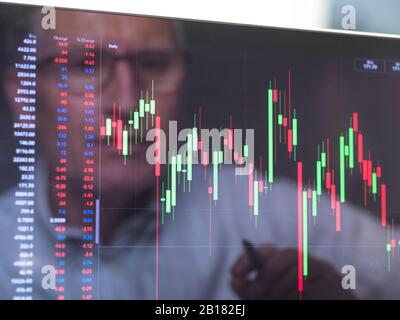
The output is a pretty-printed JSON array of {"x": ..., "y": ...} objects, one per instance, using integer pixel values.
[{"x": 163, "y": 66}]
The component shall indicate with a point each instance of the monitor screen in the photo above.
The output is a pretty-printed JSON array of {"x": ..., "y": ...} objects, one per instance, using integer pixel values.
[{"x": 155, "y": 158}]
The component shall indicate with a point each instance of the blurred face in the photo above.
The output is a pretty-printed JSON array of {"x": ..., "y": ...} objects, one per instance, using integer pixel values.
[{"x": 134, "y": 51}]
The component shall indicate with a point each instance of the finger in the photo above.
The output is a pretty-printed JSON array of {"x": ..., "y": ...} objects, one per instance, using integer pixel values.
[
  {"x": 259, "y": 287},
  {"x": 242, "y": 286},
  {"x": 244, "y": 264},
  {"x": 280, "y": 267}
]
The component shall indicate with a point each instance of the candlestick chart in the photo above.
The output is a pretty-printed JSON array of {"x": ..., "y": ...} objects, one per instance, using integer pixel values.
[{"x": 331, "y": 173}]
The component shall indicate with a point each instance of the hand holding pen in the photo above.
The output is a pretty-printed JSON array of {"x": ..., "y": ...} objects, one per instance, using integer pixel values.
[{"x": 268, "y": 272}]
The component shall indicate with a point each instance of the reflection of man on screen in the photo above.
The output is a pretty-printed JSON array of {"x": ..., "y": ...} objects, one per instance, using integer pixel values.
[{"x": 200, "y": 256}]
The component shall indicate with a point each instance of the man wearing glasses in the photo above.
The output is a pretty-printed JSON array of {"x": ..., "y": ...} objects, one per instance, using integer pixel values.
[{"x": 138, "y": 57}]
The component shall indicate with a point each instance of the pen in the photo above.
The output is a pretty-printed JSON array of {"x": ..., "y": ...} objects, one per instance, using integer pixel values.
[{"x": 254, "y": 255}]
